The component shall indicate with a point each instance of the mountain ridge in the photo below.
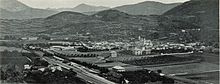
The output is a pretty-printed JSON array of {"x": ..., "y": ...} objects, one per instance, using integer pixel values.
[
  {"x": 147, "y": 8},
  {"x": 83, "y": 8},
  {"x": 201, "y": 12},
  {"x": 16, "y": 8},
  {"x": 13, "y": 5},
  {"x": 13, "y": 9}
]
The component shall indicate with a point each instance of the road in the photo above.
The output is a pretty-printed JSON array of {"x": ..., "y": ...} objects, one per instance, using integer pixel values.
[{"x": 82, "y": 73}]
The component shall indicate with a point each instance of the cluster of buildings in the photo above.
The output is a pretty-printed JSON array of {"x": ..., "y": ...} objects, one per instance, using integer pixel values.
[
  {"x": 146, "y": 47},
  {"x": 140, "y": 47},
  {"x": 29, "y": 38},
  {"x": 41, "y": 68},
  {"x": 172, "y": 46},
  {"x": 104, "y": 45}
]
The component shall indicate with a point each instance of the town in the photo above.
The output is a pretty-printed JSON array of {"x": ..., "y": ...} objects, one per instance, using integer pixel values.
[
  {"x": 109, "y": 42},
  {"x": 129, "y": 61},
  {"x": 108, "y": 62}
]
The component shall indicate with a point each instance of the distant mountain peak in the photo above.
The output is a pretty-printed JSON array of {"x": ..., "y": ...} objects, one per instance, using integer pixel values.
[
  {"x": 13, "y": 5},
  {"x": 88, "y": 8},
  {"x": 70, "y": 12},
  {"x": 110, "y": 11},
  {"x": 150, "y": 2},
  {"x": 66, "y": 15},
  {"x": 83, "y": 4},
  {"x": 14, "y": 9},
  {"x": 87, "y": 5},
  {"x": 111, "y": 15}
]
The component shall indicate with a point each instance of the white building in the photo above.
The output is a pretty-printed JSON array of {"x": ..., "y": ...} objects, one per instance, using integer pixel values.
[
  {"x": 27, "y": 66},
  {"x": 147, "y": 51},
  {"x": 62, "y": 48},
  {"x": 29, "y": 38},
  {"x": 54, "y": 68},
  {"x": 118, "y": 69},
  {"x": 113, "y": 54},
  {"x": 137, "y": 52},
  {"x": 60, "y": 42},
  {"x": 141, "y": 50}
]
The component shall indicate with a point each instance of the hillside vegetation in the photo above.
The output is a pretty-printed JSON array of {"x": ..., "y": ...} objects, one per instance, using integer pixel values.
[{"x": 191, "y": 21}]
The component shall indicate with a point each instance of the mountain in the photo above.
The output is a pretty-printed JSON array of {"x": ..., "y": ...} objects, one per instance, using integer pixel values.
[
  {"x": 13, "y": 5},
  {"x": 204, "y": 13},
  {"x": 112, "y": 15},
  {"x": 65, "y": 17},
  {"x": 147, "y": 8},
  {"x": 88, "y": 8},
  {"x": 60, "y": 9},
  {"x": 83, "y": 8},
  {"x": 104, "y": 25},
  {"x": 13, "y": 9}
]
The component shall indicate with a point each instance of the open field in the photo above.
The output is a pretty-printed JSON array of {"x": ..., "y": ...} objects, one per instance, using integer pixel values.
[
  {"x": 162, "y": 60},
  {"x": 210, "y": 58},
  {"x": 209, "y": 78},
  {"x": 186, "y": 68},
  {"x": 211, "y": 62},
  {"x": 207, "y": 73},
  {"x": 127, "y": 67}
]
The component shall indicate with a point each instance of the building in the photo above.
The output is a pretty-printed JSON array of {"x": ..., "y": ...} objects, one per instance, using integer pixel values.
[
  {"x": 147, "y": 51},
  {"x": 113, "y": 54},
  {"x": 118, "y": 69},
  {"x": 140, "y": 47},
  {"x": 60, "y": 43},
  {"x": 27, "y": 67},
  {"x": 141, "y": 50},
  {"x": 54, "y": 68},
  {"x": 137, "y": 52},
  {"x": 63, "y": 48},
  {"x": 29, "y": 38}
]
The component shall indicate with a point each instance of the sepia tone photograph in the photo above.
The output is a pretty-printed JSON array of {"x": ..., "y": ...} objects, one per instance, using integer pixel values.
[{"x": 109, "y": 42}]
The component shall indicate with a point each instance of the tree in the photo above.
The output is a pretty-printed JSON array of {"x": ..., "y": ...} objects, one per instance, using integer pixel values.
[{"x": 11, "y": 73}]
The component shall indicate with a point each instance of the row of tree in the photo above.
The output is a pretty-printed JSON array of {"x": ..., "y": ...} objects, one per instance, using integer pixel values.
[
  {"x": 138, "y": 77},
  {"x": 182, "y": 50},
  {"x": 91, "y": 66},
  {"x": 159, "y": 60},
  {"x": 56, "y": 77},
  {"x": 77, "y": 55},
  {"x": 85, "y": 49}
]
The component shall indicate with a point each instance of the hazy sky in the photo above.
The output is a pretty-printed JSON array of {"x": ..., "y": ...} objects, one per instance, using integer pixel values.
[{"x": 73, "y": 3}]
